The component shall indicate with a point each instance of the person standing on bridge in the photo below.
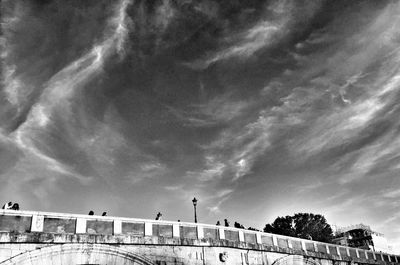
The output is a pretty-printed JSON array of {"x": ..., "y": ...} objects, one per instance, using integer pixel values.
[
  {"x": 7, "y": 206},
  {"x": 159, "y": 215},
  {"x": 226, "y": 222}
]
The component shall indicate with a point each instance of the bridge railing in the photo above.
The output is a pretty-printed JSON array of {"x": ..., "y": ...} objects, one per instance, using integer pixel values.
[{"x": 61, "y": 223}]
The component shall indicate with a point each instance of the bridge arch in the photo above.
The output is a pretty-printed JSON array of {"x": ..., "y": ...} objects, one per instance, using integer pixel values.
[
  {"x": 78, "y": 254},
  {"x": 296, "y": 260}
]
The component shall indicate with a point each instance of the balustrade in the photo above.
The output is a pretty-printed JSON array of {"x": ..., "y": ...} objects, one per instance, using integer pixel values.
[{"x": 57, "y": 223}]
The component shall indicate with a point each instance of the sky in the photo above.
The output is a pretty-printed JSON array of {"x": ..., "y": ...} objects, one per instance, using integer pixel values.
[{"x": 257, "y": 108}]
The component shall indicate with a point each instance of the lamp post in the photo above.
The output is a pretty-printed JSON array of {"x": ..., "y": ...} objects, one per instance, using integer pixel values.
[{"x": 194, "y": 205}]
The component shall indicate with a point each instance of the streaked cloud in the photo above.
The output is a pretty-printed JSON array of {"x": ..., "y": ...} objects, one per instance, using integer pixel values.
[{"x": 264, "y": 34}]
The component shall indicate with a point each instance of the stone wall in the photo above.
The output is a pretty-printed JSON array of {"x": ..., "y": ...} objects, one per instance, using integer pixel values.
[{"x": 161, "y": 242}]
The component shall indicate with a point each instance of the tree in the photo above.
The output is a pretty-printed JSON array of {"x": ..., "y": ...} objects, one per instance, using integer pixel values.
[
  {"x": 302, "y": 225},
  {"x": 312, "y": 226},
  {"x": 281, "y": 226}
]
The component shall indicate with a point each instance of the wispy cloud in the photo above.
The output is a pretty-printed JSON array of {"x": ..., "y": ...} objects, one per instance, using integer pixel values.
[
  {"x": 264, "y": 34},
  {"x": 173, "y": 188},
  {"x": 217, "y": 111},
  {"x": 260, "y": 36},
  {"x": 214, "y": 170},
  {"x": 240, "y": 149},
  {"x": 392, "y": 194},
  {"x": 58, "y": 91},
  {"x": 61, "y": 87},
  {"x": 221, "y": 196}
]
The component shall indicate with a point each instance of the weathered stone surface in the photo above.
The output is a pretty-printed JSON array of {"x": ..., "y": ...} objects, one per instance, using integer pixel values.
[{"x": 106, "y": 240}]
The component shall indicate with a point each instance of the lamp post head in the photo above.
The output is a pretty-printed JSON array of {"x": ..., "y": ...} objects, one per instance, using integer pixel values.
[{"x": 194, "y": 201}]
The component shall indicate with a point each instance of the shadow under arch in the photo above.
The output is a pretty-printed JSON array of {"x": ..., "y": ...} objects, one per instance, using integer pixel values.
[
  {"x": 295, "y": 260},
  {"x": 78, "y": 254}
]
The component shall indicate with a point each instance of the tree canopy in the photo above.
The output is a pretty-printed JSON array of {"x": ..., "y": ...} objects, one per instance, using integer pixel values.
[{"x": 302, "y": 225}]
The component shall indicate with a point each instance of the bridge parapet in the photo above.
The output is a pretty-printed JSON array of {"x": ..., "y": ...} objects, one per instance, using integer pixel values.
[{"x": 60, "y": 228}]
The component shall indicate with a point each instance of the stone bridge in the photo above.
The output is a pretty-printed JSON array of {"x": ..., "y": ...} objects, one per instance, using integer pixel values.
[{"x": 69, "y": 239}]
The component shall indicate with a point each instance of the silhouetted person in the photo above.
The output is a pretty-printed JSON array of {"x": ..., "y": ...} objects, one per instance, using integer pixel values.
[
  {"x": 158, "y": 217},
  {"x": 104, "y": 214},
  {"x": 7, "y": 206},
  {"x": 15, "y": 206},
  {"x": 226, "y": 222},
  {"x": 91, "y": 213},
  {"x": 218, "y": 223},
  {"x": 238, "y": 225}
]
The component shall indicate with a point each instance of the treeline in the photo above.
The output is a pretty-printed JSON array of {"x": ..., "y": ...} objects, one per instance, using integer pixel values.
[{"x": 301, "y": 225}]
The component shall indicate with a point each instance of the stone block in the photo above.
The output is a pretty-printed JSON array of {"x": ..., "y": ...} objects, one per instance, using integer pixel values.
[
  {"x": 80, "y": 226},
  {"x": 200, "y": 232},
  {"x": 37, "y": 223},
  {"x": 258, "y": 238},
  {"x": 175, "y": 230},
  {"x": 221, "y": 233},
  {"x": 241, "y": 236},
  {"x": 148, "y": 229}
]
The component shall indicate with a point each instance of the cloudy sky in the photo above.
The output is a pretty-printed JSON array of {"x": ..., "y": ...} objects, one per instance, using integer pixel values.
[{"x": 257, "y": 108}]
